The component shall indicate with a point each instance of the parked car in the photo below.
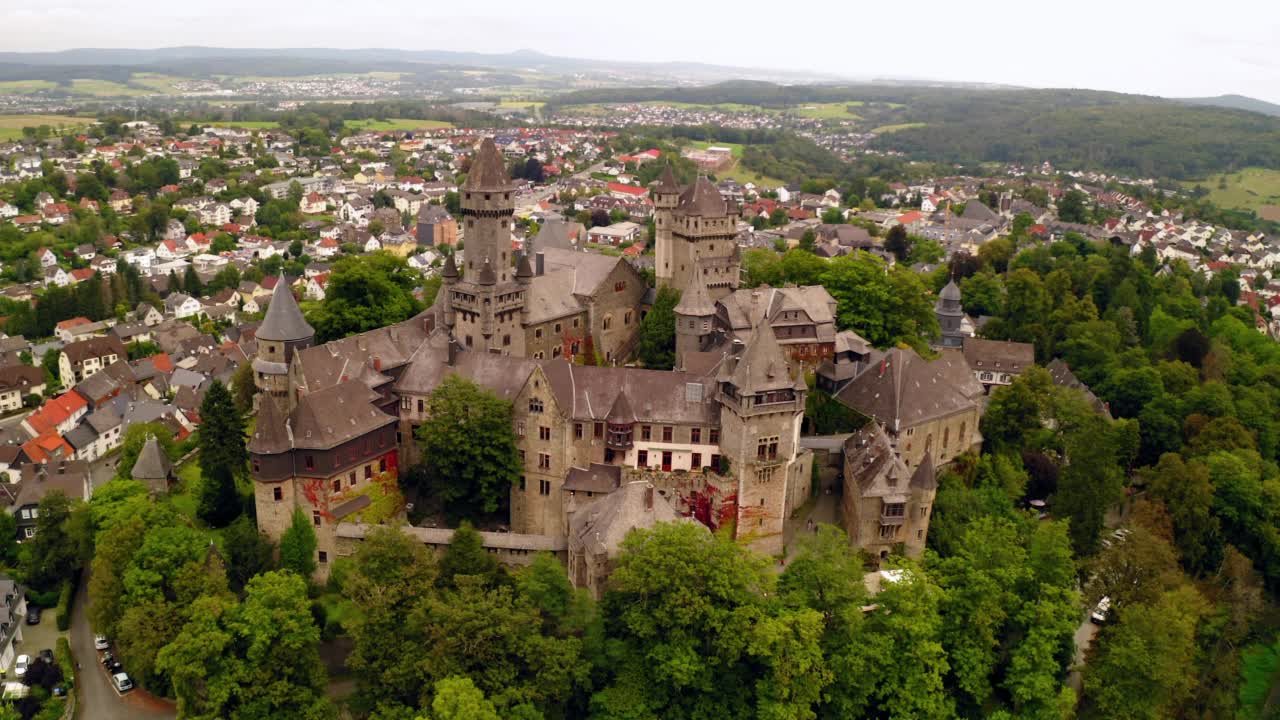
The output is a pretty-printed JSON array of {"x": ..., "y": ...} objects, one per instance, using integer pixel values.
[
  {"x": 46, "y": 655},
  {"x": 20, "y": 668},
  {"x": 33, "y": 615},
  {"x": 100, "y": 642},
  {"x": 114, "y": 666},
  {"x": 59, "y": 691},
  {"x": 122, "y": 682},
  {"x": 107, "y": 658},
  {"x": 1100, "y": 611}
]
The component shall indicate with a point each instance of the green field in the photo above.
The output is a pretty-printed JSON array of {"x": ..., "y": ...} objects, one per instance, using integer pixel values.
[
  {"x": 829, "y": 111},
  {"x": 22, "y": 87},
  {"x": 247, "y": 124},
  {"x": 885, "y": 129},
  {"x": 11, "y": 125},
  {"x": 1249, "y": 189},
  {"x": 156, "y": 81},
  {"x": 736, "y": 171},
  {"x": 397, "y": 124},
  {"x": 103, "y": 88}
]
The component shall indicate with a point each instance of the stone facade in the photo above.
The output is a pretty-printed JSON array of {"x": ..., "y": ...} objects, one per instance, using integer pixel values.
[
  {"x": 886, "y": 507},
  {"x": 695, "y": 231}
]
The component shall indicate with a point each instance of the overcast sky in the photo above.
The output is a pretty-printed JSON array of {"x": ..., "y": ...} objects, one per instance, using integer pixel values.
[{"x": 1170, "y": 48}]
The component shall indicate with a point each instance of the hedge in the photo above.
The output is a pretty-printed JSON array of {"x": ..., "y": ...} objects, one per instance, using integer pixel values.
[
  {"x": 65, "y": 600},
  {"x": 62, "y": 653}
]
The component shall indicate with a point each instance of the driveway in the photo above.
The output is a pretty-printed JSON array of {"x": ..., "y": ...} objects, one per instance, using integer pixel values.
[{"x": 98, "y": 700}]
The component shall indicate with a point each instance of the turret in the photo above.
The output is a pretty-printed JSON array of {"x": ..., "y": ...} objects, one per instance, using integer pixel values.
[
  {"x": 449, "y": 278},
  {"x": 694, "y": 316},
  {"x": 283, "y": 332},
  {"x": 950, "y": 315}
]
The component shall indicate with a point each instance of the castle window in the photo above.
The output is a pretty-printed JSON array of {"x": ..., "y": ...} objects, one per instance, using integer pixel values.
[
  {"x": 544, "y": 461},
  {"x": 555, "y": 351},
  {"x": 407, "y": 404},
  {"x": 888, "y": 532},
  {"x": 894, "y": 510},
  {"x": 277, "y": 494},
  {"x": 315, "y": 517},
  {"x": 598, "y": 430},
  {"x": 626, "y": 318},
  {"x": 351, "y": 479},
  {"x": 577, "y": 431},
  {"x": 767, "y": 448},
  {"x": 422, "y": 405},
  {"x": 324, "y": 556},
  {"x": 668, "y": 433},
  {"x": 666, "y": 461},
  {"x": 309, "y": 461},
  {"x": 642, "y": 458},
  {"x": 337, "y": 485},
  {"x": 946, "y": 437},
  {"x": 557, "y": 328},
  {"x": 646, "y": 432},
  {"x": 368, "y": 472},
  {"x": 695, "y": 435},
  {"x": 696, "y": 463},
  {"x": 523, "y": 483},
  {"x": 575, "y": 322},
  {"x": 766, "y": 474},
  {"x": 537, "y": 333},
  {"x": 608, "y": 322},
  {"x": 544, "y": 434},
  {"x": 715, "y": 462},
  {"x": 714, "y": 436},
  {"x": 544, "y": 487},
  {"x": 535, "y": 405},
  {"x": 506, "y": 340},
  {"x": 520, "y": 428}
]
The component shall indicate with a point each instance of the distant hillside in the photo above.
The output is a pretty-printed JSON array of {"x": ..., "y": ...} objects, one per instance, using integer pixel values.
[
  {"x": 1236, "y": 102},
  {"x": 1073, "y": 129},
  {"x": 310, "y": 61}
]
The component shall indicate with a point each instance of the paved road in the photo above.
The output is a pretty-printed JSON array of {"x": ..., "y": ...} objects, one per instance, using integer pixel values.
[{"x": 98, "y": 700}]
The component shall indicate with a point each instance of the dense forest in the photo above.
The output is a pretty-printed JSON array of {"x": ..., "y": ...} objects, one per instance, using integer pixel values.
[{"x": 1073, "y": 129}]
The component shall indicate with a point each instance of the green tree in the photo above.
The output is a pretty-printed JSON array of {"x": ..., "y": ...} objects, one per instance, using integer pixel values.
[
  {"x": 254, "y": 659},
  {"x": 1091, "y": 483},
  {"x": 885, "y": 306},
  {"x": 242, "y": 388},
  {"x": 364, "y": 293},
  {"x": 249, "y": 552},
  {"x": 298, "y": 546},
  {"x": 457, "y": 698},
  {"x": 470, "y": 448},
  {"x": 1144, "y": 668},
  {"x": 466, "y": 556},
  {"x": 52, "y": 555},
  {"x": 1187, "y": 493},
  {"x": 657, "y": 346},
  {"x": 897, "y": 242},
  {"x": 223, "y": 458}
]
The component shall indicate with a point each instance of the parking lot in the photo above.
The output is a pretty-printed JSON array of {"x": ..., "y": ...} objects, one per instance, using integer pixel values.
[{"x": 37, "y": 637}]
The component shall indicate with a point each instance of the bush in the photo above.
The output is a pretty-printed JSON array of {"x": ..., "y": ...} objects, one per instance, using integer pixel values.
[
  {"x": 65, "y": 599},
  {"x": 52, "y": 710},
  {"x": 62, "y": 653},
  {"x": 42, "y": 599}
]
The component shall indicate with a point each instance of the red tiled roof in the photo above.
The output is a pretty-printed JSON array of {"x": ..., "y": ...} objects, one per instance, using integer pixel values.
[
  {"x": 73, "y": 322},
  {"x": 56, "y": 410},
  {"x": 632, "y": 190}
]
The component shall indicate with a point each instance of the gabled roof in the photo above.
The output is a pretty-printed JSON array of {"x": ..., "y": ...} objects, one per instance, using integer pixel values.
[
  {"x": 284, "y": 321},
  {"x": 901, "y": 389}
]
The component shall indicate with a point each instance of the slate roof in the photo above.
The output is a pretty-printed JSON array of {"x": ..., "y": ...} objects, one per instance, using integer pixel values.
[
  {"x": 703, "y": 199},
  {"x": 152, "y": 464},
  {"x": 588, "y": 392},
  {"x": 488, "y": 169},
  {"x": 667, "y": 182},
  {"x": 332, "y": 416},
  {"x": 762, "y": 366},
  {"x": 284, "y": 321},
  {"x": 871, "y": 458},
  {"x": 695, "y": 302},
  {"x": 983, "y": 354},
  {"x": 596, "y": 478},
  {"x": 599, "y": 529},
  {"x": 901, "y": 389},
  {"x": 1061, "y": 373}
]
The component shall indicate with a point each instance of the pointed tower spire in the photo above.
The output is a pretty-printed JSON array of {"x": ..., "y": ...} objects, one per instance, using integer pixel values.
[
  {"x": 450, "y": 268},
  {"x": 695, "y": 301},
  {"x": 763, "y": 366},
  {"x": 488, "y": 171},
  {"x": 284, "y": 321},
  {"x": 667, "y": 181}
]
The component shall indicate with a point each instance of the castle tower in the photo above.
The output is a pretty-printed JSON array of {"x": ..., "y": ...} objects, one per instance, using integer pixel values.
[
  {"x": 950, "y": 315},
  {"x": 666, "y": 196},
  {"x": 762, "y": 408},
  {"x": 488, "y": 303},
  {"x": 449, "y": 278},
  {"x": 283, "y": 332},
  {"x": 701, "y": 230},
  {"x": 694, "y": 315}
]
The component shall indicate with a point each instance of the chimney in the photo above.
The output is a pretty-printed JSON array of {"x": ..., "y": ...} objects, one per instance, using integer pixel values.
[
  {"x": 648, "y": 498},
  {"x": 377, "y": 363},
  {"x": 429, "y": 323},
  {"x": 540, "y": 263}
]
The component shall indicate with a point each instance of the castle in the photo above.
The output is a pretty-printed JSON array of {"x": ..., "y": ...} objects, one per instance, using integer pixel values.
[
  {"x": 695, "y": 234},
  {"x": 717, "y": 440}
]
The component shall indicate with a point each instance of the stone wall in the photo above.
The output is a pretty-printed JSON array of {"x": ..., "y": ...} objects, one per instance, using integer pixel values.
[{"x": 510, "y": 548}]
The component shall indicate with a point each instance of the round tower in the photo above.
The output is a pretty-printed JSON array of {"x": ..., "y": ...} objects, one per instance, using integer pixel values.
[
  {"x": 694, "y": 315},
  {"x": 283, "y": 332},
  {"x": 950, "y": 315}
]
